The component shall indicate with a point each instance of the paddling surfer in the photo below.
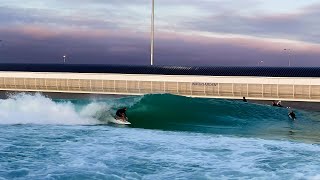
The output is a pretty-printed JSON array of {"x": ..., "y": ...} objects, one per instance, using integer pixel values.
[
  {"x": 244, "y": 99},
  {"x": 292, "y": 115},
  {"x": 278, "y": 104}
]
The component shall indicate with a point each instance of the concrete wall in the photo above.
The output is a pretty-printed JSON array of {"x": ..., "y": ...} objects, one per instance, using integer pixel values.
[{"x": 263, "y": 88}]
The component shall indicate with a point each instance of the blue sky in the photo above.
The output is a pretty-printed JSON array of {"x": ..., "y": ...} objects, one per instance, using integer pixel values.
[{"x": 188, "y": 32}]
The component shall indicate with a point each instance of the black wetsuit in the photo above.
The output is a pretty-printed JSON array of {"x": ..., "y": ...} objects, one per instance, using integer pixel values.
[
  {"x": 278, "y": 105},
  {"x": 121, "y": 112},
  {"x": 293, "y": 116}
]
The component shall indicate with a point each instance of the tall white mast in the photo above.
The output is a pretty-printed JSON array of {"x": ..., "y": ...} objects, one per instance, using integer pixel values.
[{"x": 152, "y": 34}]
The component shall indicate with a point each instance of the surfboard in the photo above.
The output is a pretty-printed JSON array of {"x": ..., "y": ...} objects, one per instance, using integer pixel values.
[
  {"x": 117, "y": 121},
  {"x": 291, "y": 117}
]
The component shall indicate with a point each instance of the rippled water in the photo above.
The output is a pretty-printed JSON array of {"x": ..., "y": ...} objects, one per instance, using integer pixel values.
[
  {"x": 97, "y": 152},
  {"x": 42, "y": 138}
]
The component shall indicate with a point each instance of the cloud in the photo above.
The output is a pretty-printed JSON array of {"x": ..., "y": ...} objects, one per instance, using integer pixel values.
[
  {"x": 12, "y": 16},
  {"x": 301, "y": 25},
  {"x": 245, "y": 17},
  {"x": 45, "y": 45},
  {"x": 188, "y": 32}
]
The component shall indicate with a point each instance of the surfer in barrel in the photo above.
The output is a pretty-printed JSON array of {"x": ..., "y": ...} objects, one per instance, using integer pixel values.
[{"x": 121, "y": 114}]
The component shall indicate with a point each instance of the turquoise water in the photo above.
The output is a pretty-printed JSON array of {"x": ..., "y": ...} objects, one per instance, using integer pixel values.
[{"x": 171, "y": 137}]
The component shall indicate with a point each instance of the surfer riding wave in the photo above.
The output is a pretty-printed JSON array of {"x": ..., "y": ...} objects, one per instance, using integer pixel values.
[{"x": 121, "y": 114}]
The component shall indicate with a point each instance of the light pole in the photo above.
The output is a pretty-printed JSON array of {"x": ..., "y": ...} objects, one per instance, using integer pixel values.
[
  {"x": 260, "y": 63},
  {"x": 289, "y": 59},
  {"x": 152, "y": 34},
  {"x": 64, "y": 58}
]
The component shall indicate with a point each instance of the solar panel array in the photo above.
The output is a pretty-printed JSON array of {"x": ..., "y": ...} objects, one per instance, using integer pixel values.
[{"x": 168, "y": 70}]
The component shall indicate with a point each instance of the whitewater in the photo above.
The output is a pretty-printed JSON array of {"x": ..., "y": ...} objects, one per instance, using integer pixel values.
[{"x": 171, "y": 137}]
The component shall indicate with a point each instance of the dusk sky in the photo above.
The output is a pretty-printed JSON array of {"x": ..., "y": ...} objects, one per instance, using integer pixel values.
[{"x": 188, "y": 32}]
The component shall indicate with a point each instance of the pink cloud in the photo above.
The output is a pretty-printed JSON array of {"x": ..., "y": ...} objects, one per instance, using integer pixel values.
[{"x": 170, "y": 46}]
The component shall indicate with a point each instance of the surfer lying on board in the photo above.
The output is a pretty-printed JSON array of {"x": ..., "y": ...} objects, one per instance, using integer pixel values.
[
  {"x": 278, "y": 104},
  {"x": 121, "y": 114}
]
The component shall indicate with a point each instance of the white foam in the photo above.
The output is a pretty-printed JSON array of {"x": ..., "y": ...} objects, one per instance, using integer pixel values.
[
  {"x": 36, "y": 109},
  {"x": 26, "y": 108}
]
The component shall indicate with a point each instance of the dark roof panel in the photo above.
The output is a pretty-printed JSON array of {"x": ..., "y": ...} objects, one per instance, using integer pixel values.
[{"x": 168, "y": 70}]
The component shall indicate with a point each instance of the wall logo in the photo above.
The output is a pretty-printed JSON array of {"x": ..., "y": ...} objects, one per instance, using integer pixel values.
[{"x": 204, "y": 84}]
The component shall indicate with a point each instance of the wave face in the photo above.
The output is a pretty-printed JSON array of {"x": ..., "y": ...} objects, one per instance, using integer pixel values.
[
  {"x": 169, "y": 112},
  {"x": 165, "y": 112}
]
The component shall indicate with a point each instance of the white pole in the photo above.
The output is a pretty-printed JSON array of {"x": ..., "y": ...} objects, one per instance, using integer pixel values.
[
  {"x": 289, "y": 58},
  {"x": 152, "y": 34}
]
